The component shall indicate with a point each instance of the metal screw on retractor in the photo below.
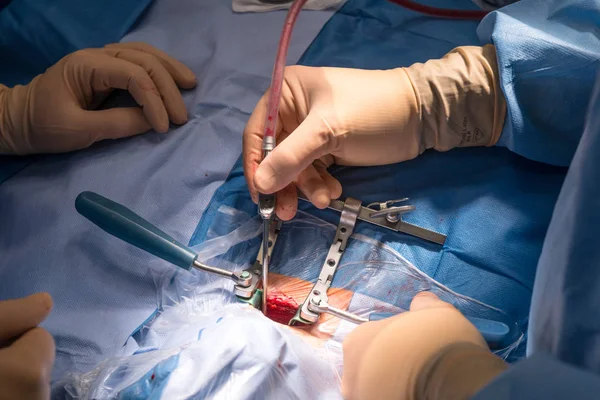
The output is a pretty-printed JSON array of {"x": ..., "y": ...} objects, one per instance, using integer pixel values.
[
  {"x": 382, "y": 218},
  {"x": 392, "y": 214},
  {"x": 308, "y": 312}
]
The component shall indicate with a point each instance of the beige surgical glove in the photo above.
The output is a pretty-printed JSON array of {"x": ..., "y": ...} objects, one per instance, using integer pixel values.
[
  {"x": 431, "y": 352},
  {"x": 54, "y": 113},
  {"x": 360, "y": 118},
  {"x": 26, "y": 351}
]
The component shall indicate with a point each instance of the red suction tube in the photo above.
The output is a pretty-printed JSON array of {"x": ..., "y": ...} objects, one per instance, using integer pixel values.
[{"x": 440, "y": 12}]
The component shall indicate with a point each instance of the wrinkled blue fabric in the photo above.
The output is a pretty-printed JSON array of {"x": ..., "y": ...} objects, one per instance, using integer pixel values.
[
  {"x": 566, "y": 296},
  {"x": 495, "y": 206},
  {"x": 548, "y": 56},
  {"x": 564, "y": 330},
  {"x": 101, "y": 286}
]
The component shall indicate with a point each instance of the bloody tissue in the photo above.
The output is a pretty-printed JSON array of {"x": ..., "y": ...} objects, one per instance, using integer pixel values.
[{"x": 280, "y": 307}]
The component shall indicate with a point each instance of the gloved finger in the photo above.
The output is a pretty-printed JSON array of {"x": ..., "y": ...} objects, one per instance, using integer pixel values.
[
  {"x": 33, "y": 354},
  {"x": 335, "y": 187},
  {"x": 162, "y": 79},
  {"x": 428, "y": 300},
  {"x": 314, "y": 187},
  {"x": 110, "y": 72},
  {"x": 114, "y": 123},
  {"x": 183, "y": 76},
  {"x": 20, "y": 315},
  {"x": 354, "y": 347},
  {"x": 311, "y": 140},
  {"x": 287, "y": 202},
  {"x": 357, "y": 341}
]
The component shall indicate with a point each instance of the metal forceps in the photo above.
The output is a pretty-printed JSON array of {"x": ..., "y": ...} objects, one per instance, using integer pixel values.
[{"x": 266, "y": 202}]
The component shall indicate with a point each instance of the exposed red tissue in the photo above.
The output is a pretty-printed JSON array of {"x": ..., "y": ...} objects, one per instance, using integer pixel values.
[{"x": 281, "y": 308}]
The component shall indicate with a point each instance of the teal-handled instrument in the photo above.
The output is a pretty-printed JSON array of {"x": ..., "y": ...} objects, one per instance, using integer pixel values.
[{"x": 121, "y": 222}]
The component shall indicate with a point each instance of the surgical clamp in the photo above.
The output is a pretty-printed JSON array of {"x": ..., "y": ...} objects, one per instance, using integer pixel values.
[
  {"x": 352, "y": 210},
  {"x": 389, "y": 218},
  {"x": 266, "y": 202},
  {"x": 124, "y": 224},
  {"x": 316, "y": 303},
  {"x": 307, "y": 313}
]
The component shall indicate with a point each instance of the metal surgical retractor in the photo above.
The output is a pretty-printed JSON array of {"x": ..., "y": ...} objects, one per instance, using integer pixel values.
[
  {"x": 389, "y": 217},
  {"x": 391, "y": 214},
  {"x": 310, "y": 311},
  {"x": 380, "y": 214},
  {"x": 123, "y": 223},
  {"x": 496, "y": 333}
]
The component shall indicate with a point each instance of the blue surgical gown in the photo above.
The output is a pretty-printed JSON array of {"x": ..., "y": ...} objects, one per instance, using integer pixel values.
[{"x": 549, "y": 58}]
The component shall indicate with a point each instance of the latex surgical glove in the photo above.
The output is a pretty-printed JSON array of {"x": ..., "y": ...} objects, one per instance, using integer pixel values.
[
  {"x": 28, "y": 353},
  {"x": 54, "y": 113},
  {"x": 430, "y": 352},
  {"x": 358, "y": 117}
]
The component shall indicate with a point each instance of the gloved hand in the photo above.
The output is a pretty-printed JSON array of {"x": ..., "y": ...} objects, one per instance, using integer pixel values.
[
  {"x": 26, "y": 360},
  {"x": 54, "y": 113},
  {"x": 359, "y": 118},
  {"x": 430, "y": 352}
]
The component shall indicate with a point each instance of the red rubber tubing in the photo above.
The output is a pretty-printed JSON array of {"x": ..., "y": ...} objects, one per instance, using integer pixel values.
[
  {"x": 440, "y": 12},
  {"x": 279, "y": 67}
]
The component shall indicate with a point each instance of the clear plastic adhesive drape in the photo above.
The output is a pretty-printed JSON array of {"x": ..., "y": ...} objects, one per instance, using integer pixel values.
[{"x": 205, "y": 343}]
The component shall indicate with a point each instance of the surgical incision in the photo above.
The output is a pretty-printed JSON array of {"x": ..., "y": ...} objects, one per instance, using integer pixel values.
[
  {"x": 281, "y": 307},
  {"x": 286, "y": 294}
]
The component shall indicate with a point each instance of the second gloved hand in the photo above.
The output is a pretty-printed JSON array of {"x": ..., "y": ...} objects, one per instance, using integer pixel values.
[
  {"x": 54, "y": 113},
  {"x": 429, "y": 352},
  {"x": 360, "y": 118},
  {"x": 26, "y": 350}
]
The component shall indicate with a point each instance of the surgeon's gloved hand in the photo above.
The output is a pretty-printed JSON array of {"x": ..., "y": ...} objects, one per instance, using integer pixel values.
[
  {"x": 360, "y": 118},
  {"x": 26, "y": 351},
  {"x": 430, "y": 352},
  {"x": 55, "y": 112}
]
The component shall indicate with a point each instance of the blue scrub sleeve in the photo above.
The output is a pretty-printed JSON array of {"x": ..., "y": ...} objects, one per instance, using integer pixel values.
[
  {"x": 566, "y": 297},
  {"x": 542, "y": 377},
  {"x": 548, "y": 57}
]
